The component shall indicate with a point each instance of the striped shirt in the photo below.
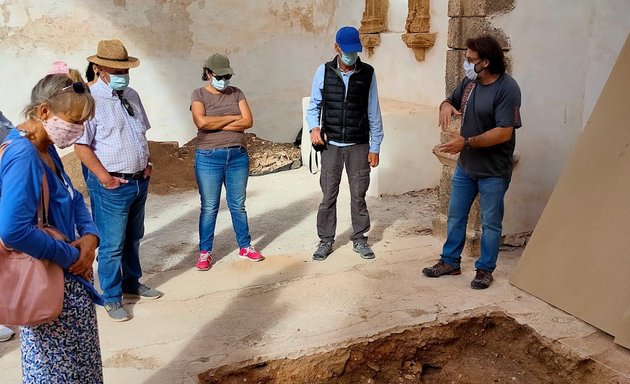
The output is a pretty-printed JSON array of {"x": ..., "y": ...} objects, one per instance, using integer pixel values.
[{"x": 117, "y": 139}]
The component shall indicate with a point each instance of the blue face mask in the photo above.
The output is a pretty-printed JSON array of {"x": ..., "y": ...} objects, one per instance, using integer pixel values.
[
  {"x": 119, "y": 82},
  {"x": 220, "y": 85},
  {"x": 349, "y": 58}
]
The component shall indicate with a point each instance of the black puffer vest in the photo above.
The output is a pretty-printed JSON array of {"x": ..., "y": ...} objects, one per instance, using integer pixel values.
[{"x": 345, "y": 118}]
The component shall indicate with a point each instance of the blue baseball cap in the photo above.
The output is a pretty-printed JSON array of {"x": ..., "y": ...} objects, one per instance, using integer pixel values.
[{"x": 348, "y": 40}]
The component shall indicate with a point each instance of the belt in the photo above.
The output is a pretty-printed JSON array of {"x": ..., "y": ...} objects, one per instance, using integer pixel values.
[
  {"x": 234, "y": 147},
  {"x": 135, "y": 176}
]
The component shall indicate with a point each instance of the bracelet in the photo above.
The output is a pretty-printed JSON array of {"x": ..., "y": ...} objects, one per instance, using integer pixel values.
[{"x": 466, "y": 143}]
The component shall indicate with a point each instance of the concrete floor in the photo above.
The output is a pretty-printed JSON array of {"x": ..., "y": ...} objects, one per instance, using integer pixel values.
[{"x": 289, "y": 305}]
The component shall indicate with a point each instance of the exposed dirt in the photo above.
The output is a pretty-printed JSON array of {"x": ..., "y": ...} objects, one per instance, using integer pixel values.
[
  {"x": 174, "y": 166},
  {"x": 489, "y": 348}
]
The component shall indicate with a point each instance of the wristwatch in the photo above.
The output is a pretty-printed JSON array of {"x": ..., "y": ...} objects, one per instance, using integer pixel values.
[{"x": 466, "y": 143}]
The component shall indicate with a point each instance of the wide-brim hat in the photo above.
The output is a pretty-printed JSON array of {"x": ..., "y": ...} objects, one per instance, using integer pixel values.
[
  {"x": 113, "y": 54},
  {"x": 219, "y": 64}
]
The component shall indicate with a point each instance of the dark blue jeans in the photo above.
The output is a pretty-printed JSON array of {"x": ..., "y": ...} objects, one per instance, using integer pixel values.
[
  {"x": 119, "y": 216},
  {"x": 464, "y": 189},
  {"x": 213, "y": 169}
]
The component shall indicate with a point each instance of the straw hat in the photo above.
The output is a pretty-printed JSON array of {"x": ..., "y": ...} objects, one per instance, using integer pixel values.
[{"x": 113, "y": 54}]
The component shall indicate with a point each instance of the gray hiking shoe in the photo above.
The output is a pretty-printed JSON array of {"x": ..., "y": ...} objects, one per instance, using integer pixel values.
[
  {"x": 324, "y": 248},
  {"x": 116, "y": 311},
  {"x": 363, "y": 249},
  {"x": 143, "y": 292}
]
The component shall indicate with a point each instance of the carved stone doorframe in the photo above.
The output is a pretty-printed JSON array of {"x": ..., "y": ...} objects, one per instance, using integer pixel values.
[
  {"x": 418, "y": 36},
  {"x": 374, "y": 22}
]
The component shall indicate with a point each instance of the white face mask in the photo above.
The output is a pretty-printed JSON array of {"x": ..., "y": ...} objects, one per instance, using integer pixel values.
[{"x": 469, "y": 69}]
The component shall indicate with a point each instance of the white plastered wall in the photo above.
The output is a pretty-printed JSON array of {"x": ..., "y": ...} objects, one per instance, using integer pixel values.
[
  {"x": 562, "y": 54},
  {"x": 274, "y": 46},
  {"x": 409, "y": 93}
]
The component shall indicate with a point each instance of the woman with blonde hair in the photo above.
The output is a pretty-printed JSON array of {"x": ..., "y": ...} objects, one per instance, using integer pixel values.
[{"x": 67, "y": 349}]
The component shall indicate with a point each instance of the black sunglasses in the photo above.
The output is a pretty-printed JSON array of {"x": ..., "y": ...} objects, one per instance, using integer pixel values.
[
  {"x": 125, "y": 103},
  {"x": 77, "y": 87},
  {"x": 226, "y": 77}
]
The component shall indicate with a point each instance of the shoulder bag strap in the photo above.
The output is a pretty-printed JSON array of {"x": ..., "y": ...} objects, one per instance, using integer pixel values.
[{"x": 42, "y": 211}]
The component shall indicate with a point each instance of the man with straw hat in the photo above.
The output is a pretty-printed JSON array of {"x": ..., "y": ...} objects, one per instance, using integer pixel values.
[{"x": 115, "y": 151}]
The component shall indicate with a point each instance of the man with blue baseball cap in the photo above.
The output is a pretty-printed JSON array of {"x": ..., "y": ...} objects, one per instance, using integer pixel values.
[{"x": 344, "y": 118}]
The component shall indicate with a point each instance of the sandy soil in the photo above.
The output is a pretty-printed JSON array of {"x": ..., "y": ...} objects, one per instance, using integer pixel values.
[{"x": 290, "y": 306}]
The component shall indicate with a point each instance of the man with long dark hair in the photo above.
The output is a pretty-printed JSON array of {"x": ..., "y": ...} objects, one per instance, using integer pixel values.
[{"x": 489, "y": 101}]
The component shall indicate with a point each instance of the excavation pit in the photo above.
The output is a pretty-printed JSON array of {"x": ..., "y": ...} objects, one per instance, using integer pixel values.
[{"x": 488, "y": 348}]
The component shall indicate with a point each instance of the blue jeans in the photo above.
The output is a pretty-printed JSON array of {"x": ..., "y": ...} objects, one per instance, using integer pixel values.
[
  {"x": 464, "y": 189},
  {"x": 119, "y": 216},
  {"x": 213, "y": 169}
]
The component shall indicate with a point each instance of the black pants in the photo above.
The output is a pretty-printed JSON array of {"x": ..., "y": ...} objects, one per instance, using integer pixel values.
[{"x": 355, "y": 159}]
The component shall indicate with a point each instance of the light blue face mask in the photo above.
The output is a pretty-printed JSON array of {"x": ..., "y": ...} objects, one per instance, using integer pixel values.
[
  {"x": 349, "y": 58},
  {"x": 220, "y": 85},
  {"x": 119, "y": 82}
]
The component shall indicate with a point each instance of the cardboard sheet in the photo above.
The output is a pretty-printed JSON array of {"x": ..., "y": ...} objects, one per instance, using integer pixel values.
[
  {"x": 623, "y": 336},
  {"x": 578, "y": 258}
]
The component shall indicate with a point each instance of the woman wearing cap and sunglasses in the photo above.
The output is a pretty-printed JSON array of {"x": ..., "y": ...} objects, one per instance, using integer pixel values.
[
  {"x": 221, "y": 114},
  {"x": 65, "y": 350}
]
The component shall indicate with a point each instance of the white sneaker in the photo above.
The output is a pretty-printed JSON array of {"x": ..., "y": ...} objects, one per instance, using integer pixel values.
[{"x": 5, "y": 333}]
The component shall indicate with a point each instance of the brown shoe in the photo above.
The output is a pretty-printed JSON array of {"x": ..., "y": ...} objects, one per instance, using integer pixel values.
[
  {"x": 482, "y": 280},
  {"x": 441, "y": 269}
]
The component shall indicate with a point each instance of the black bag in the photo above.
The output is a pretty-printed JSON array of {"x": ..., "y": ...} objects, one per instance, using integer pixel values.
[{"x": 320, "y": 147}]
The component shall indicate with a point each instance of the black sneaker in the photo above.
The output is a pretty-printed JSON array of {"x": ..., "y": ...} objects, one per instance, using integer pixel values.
[
  {"x": 363, "y": 249},
  {"x": 324, "y": 248},
  {"x": 482, "y": 280}
]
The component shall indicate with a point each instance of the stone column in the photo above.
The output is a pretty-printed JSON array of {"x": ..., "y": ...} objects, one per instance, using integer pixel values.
[
  {"x": 374, "y": 22},
  {"x": 468, "y": 18},
  {"x": 417, "y": 26}
]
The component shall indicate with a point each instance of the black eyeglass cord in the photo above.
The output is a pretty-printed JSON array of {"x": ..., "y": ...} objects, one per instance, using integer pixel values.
[{"x": 125, "y": 103}]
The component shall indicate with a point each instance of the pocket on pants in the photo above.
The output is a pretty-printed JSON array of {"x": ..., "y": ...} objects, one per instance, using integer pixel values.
[
  {"x": 204, "y": 152},
  {"x": 361, "y": 182}
]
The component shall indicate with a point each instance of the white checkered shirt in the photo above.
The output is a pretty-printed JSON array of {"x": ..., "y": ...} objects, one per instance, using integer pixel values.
[{"x": 118, "y": 140}]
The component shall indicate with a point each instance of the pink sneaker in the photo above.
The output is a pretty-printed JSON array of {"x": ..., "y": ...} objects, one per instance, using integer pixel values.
[
  {"x": 204, "y": 261},
  {"x": 251, "y": 254}
]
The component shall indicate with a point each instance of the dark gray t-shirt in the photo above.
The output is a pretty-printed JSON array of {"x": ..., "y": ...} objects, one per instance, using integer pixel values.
[{"x": 489, "y": 106}]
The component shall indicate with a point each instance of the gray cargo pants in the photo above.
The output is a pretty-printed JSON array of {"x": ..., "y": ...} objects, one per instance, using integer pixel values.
[{"x": 355, "y": 159}]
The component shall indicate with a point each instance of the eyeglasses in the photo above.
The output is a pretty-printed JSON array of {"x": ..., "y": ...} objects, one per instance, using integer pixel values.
[
  {"x": 77, "y": 87},
  {"x": 125, "y": 103},
  {"x": 226, "y": 77}
]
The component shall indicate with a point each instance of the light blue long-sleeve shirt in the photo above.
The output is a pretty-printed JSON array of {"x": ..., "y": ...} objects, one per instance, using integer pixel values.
[{"x": 313, "y": 112}]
